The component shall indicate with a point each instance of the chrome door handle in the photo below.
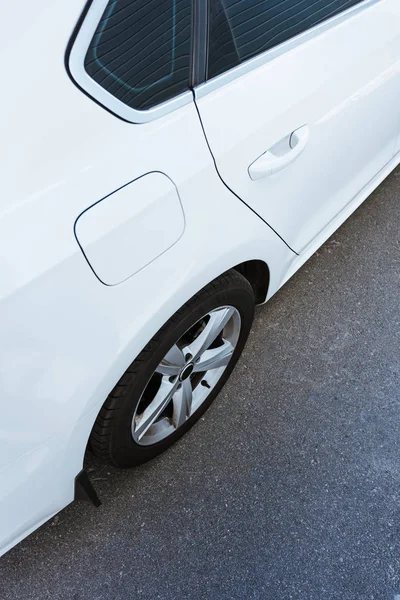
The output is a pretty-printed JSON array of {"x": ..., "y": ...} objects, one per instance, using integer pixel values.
[{"x": 270, "y": 163}]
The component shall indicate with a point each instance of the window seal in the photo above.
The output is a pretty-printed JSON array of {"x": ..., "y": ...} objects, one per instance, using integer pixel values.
[{"x": 74, "y": 61}]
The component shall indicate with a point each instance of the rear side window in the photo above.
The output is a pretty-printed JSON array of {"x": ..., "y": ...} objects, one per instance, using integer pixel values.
[
  {"x": 241, "y": 29},
  {"x": 140, "y": 51}
]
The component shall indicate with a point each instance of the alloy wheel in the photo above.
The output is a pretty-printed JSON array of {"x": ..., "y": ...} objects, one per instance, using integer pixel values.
[{"x": 186, "y": 376}]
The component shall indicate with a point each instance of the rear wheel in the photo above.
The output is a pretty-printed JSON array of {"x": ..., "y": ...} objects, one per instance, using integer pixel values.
[{"x": 178, "y": 374}]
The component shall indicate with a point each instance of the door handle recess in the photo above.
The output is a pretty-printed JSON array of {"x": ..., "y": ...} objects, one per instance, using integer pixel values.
[{"x": 277, "y": 158}]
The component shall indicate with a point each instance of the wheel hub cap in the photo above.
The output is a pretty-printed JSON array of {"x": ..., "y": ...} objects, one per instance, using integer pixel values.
[{"x": 186, "y": 372}]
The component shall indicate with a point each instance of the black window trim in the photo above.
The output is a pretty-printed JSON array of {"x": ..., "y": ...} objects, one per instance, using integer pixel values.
[
  {"x": 79, "y": 44},
  {"x": 201, "y": 13}
]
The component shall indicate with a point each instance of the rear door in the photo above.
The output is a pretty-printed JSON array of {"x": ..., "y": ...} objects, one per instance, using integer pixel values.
[{"x": 301, "y": 106}]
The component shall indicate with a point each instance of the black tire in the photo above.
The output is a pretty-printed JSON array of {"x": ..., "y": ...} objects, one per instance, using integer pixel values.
[{"x": 111, "y": 436}]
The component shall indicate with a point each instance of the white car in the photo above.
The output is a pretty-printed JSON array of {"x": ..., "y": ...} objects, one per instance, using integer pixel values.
[{"x": 166, "y": 165}]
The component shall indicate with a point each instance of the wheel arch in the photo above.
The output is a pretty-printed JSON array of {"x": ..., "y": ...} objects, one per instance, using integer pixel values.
[
  {"x": 257, "y": 274},
  {"x": 255, "y": 271}
]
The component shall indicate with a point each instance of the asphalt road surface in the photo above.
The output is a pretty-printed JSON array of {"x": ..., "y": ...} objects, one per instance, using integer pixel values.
[{"x": 288, "y": 488}]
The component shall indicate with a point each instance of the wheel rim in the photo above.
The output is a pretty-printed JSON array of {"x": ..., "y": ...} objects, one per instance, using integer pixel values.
[{"x": 186, "y": 376}]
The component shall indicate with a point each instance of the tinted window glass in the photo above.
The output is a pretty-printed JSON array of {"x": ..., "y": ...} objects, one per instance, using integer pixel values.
[
  {"x": 241, "y": 29},
  {"x": 140, "y": 52}
]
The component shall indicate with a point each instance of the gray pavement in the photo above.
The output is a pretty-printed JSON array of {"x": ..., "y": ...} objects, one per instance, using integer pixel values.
[{"x": 289, "y": 486}]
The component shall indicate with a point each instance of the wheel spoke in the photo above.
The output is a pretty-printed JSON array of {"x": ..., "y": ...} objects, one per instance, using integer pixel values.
[
  {"x": 218, "y": 320},
  {"x": 155, "y": 408},
  {"x": 182, "y": 403},
  {"x": 215, "y": 358},
  {"x": 172, "y": 362}
]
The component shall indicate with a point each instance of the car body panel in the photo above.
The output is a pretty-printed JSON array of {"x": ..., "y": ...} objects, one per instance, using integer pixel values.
[
  {"x": 341, "y": 81},
  {"x": 397, "y": 145},
  {"x": 66, "y": 337}
]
